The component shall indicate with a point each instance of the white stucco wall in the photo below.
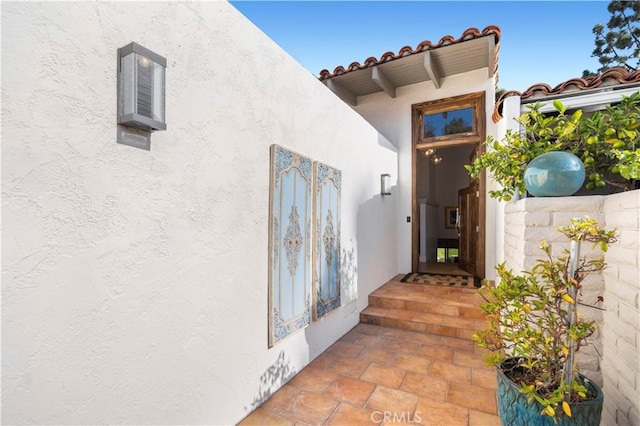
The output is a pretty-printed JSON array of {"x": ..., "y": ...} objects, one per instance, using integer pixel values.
[
  {"x": 392, "y": 117},
  {"x": 134, "y": 286}
]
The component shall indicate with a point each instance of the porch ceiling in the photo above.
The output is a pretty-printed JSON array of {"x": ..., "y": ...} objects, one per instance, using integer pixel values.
[{"x": 428, "y": 62}]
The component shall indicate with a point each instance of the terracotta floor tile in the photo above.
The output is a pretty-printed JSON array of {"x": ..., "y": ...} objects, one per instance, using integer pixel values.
[
  {"x": 398, "y": 333},
  {"x": 442, "y": 353},
  {"x": 392, "y": 400},
  {"x": 313, "y": 379},
  {"x": 414, "y": 363},
  {"x": 391, "y": 303},
  {"x": 310, "y": 408},
  {"x": 404, "y": 346},
  {"x": 484, "y": 378},
  {"x": 367, "y": 329},
  {"x": 441, "y": 330},
  {"x": 377, "y": 355},
  {"x": 472, "y": 312},
  {"x": 470, "y": 359},
  {"x": 474, "y": 397},
  {"x": 281, "y": 398},
  {"x": 388, "y": 376},
  {"x": 457, "y": 343},
  {"x": 437, "y": 413},
  {"x": 347, "y": 350},
  {"x": 451, "y": 372},
  {"x": 349, "y": 389},
  {"x": 428, "y": 386},
  {"x": 415, "y": 376},
  {"x": 478, "y": 418},
  {"x": 323, "y": 361},
  {"x": 418, "y": 305},
  {"x": 368, "y": 340},
  {"x": 347, "y": 414},
  {"x": 350, "y": 337},
  {"x": 261, "y": 417},
  {"x": 351, "y": 367},
  {"x": 425, "y": 339}
]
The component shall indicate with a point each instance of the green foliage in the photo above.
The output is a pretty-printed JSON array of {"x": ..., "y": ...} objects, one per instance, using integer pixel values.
[
  {"x": 606, "y": 141},
  {"x": 619, "y": 44},
  {"x": 530, "y": 315}
]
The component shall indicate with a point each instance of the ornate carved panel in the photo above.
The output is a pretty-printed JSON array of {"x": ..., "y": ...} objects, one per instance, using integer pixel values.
[
  {"x": 290, "y": 213},
  {"x": 326, "y": 247}
]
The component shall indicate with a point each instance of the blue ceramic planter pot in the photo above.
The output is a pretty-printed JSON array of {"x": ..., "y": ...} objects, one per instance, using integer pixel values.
[
  {"x": 514, "y": 409},
  {"x": 554, "y": 174}
]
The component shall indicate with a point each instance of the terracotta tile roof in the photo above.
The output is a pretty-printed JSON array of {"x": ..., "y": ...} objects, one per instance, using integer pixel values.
[
  {"x": 612, "y": 77},
  {"x": 469, "y": 34}
]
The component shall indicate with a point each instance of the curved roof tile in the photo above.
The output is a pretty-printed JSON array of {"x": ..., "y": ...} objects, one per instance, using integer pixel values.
[
  {"x": 468, "y": 34},
  {"x": 538, "y": 90}
]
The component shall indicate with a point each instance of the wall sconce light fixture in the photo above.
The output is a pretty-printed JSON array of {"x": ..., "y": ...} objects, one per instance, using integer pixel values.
[
  {"x": 141, "y": 88},
  {"x": 385, "y": 184}
]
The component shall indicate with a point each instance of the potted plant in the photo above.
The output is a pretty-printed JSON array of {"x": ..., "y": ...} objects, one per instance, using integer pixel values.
[
  {"x": 605, "y": 141},
  {"x": 534, "y": 331}
]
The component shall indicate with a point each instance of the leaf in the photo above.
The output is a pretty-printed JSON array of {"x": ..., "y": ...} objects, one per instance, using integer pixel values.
[
  {"x": 548, "y": 410},
  {"x": 558, "y": 105},
  {"x": 568, "y": 299},
  {"x": 566, "y": 408},
  {"x": 565, "y": 351}
]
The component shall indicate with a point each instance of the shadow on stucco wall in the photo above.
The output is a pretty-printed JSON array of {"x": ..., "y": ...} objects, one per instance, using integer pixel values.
[
  {"x": 348, "y": 276},
  {"x": 377, "y": 242},
  {"x": 275, "y": 376}
]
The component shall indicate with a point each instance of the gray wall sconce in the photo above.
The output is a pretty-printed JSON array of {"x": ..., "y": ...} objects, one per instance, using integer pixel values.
[
  {"x": 141, "y": 95},
  {"x": 385, "y": 184}
]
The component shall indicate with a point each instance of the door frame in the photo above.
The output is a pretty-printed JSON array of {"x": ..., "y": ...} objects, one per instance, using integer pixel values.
[{"x": 476, "y": 137}]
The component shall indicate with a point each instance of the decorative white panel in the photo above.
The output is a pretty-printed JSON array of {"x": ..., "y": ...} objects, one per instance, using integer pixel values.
[
  {"x": 326, "y": 253},
  {"x": 289, "y": 243}
]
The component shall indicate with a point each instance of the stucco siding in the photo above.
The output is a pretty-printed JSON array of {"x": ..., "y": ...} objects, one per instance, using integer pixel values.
[{"x": 134, "y": 286}]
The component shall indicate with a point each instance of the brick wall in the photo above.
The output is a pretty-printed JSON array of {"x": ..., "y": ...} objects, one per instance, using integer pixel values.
[
  {"x": 613, "y": 360},
  {"x": 531, "y": 220},
  {"x": 621, "y": 331}
]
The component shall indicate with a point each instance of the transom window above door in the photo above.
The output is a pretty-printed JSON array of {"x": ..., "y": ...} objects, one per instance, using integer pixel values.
[{"x": 451, "y": 121}]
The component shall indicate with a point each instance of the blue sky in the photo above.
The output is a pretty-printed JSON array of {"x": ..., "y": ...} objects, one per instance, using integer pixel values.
[{"x": 542, "y": 42}]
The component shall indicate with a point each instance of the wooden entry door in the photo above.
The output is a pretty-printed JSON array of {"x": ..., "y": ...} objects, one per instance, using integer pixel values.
[{"x": 469, "y": 227}]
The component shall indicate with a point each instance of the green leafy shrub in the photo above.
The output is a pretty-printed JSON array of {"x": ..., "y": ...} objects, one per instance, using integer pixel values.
[
  {"x": 606, "y": 141},
  {"x": 534, "y": 316}
]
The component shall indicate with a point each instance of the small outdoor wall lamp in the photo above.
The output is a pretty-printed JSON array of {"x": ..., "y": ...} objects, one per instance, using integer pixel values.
[
  {"x": 141, "y": 88},
  {"x": 385, "y": 185}
]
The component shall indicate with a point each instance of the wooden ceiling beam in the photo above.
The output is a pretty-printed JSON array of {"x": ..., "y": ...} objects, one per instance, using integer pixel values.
[
  {"x": 342, "y": 93},
  {"x": 383, "y": 82},
  {"x": 430, "y": 66}
]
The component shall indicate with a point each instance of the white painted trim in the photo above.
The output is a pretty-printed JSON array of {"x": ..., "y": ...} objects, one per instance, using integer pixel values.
[{"x": 581, "y": 101}]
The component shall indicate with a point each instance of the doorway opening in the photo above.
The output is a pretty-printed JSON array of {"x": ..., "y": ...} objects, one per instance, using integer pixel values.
[{"x": 448, "y": 206}]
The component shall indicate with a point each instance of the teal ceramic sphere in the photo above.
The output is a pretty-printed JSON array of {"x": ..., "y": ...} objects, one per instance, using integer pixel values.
[{"x": 554, "y": 174}]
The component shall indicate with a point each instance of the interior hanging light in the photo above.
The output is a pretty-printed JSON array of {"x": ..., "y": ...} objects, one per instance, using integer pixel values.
[
  {"x": 436, "y": 159},
  {"x": 429, "y": 152}
]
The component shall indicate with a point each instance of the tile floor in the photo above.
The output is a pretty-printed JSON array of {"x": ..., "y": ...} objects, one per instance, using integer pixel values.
[{"x": 387, "y": 376}]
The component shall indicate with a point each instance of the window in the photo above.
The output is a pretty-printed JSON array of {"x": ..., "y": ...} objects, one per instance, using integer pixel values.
[
  {"x": 447, "y": 123},
  {"x": 451, "y": 121}
]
